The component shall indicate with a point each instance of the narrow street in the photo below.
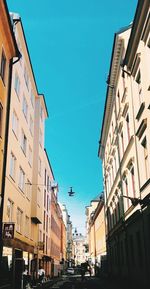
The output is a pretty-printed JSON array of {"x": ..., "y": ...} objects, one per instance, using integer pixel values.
[{"x": 75, "y": 282}]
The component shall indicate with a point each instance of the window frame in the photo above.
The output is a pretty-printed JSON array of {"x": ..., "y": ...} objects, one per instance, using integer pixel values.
[{"x": 3, "y": 66}]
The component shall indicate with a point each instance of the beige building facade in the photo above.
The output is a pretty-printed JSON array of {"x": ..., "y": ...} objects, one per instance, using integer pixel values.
[
  {"x": 97, "y": 236},
  {"x": 35, "y": 235},
  {"x": 124, "y": 150},
  {"x": 23, "y": 201},
  {"x": 79, "y": 248}
]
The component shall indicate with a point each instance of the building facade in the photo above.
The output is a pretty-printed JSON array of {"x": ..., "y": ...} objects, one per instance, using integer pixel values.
[
  {"x": 124, "y": 150},
  {"x": 79, "y": 248},
  {"x": 8, "y": 54},
  {"x": 34, "y": 234},
  {"x": 97, "y": 237}
]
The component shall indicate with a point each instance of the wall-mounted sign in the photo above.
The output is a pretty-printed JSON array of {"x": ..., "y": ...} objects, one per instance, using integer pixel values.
[
  {"x": 41, "y": 246},
  {"x": 8, "y": 231}
]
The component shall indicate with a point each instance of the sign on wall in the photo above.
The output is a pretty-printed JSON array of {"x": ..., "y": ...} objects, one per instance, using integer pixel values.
[{"x": 8, "y": 231}]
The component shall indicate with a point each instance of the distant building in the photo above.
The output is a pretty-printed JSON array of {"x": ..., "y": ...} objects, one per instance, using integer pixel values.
[
  {"x": 79, "y": 248},
  {"x": 96, "y": 233},
  {"x": 125, "y": 151}
]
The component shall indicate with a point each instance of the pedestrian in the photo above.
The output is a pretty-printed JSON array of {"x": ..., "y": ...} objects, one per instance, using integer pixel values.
[
  {"x": 90, "y": 270},
  {"x": 82, "y": 273},
  {"x": 41, "y": 273}
]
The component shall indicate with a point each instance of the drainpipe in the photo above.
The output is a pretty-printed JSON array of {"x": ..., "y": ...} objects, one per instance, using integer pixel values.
[{"x": 11, "y": 63}]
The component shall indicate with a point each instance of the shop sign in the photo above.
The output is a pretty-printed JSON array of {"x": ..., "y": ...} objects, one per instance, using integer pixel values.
[
  {"x": 8, "y": 231},
  {"x": 41, "y": 246}
]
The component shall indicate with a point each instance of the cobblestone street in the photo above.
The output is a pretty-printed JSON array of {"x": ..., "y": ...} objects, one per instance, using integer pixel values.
[{"x": 75, "y": 282}]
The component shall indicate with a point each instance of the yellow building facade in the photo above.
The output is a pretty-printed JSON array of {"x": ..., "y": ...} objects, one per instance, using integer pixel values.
[
  {"x": 8, "y": 50},
  {"x": 97, "y": 237},
  {"x": 23, "y": 198},
  {"x": 125, "y": 149}
]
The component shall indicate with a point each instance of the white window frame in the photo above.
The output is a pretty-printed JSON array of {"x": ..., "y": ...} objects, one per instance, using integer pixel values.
[
  {"x": 40, "y": 166},
  {"x": 32, "y": 98},
  {"x": 21, "y": 183},
  {"x": 25, "y": 107},
  {"x": 23, "y": 142},
  {"x": 19, "y": 219},
  {"x": 12, "y": 165},
  {"x": 15, "y": 123},
  {"x": 30, "y": 156},
  {"x": 17, "y": 85},
  {"x": 10, "y": 206},
  {"x": 27, "y": 226},
  {"x": 26, "y": 77},
  {"x": 31, "y": 125}
]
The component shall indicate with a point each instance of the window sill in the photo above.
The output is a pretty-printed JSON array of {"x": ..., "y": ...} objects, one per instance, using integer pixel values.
[
  {"x": 23, "y": 151},
  {"x": 140, "y": 111},
  {"x": 15, "y": 134},
  {"x": 12, "y": 178},
  {"x": 18, "y": 232},
  {"x": 21, "y": 190}
]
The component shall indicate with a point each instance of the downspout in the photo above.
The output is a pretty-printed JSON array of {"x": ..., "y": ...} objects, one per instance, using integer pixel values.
[{"x": 5, "y": 151}]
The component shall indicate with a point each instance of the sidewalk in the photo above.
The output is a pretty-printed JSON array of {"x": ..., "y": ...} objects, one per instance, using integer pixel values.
[{"x": 47, "y": 284}]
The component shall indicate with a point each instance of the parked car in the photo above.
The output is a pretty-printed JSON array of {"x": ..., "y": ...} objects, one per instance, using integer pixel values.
[{"x": 70, "y": 271}]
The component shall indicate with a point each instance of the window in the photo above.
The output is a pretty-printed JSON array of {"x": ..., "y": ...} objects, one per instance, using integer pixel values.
[
  {"x": 118, "y": 95},
  {"x": 1, "y": 117},
  {"x": 10, "y": 210},
  {"x": 21, "y": 180},
  {"x": 126, "y": 190},
  {"x": 28, "y": 189},
  {"x": 144, "y": 144},
  {"x": 128, "y": 128},
  {"x": 32, "y": 98},
  {"x": 27, "y": 226},
  {"x": 30, "y": 156},
  {"x": 46, "y": 244},
  {"x": 44, "y": 220},
  {"x": 17, "y": 84},
  {"x": 40, "y": 138},
  {"x": 48, "y": 183},
  {"x": 45, "y": 198},
  {"x": 45, "y": 177},
  {"x": 31, "y": 125},
  {"x": 132, "y": 180},
  {"x": 25, "y": 107},
  {"x": 19, "y": 220},
  {"x": 40, "y": 236},
  {"x": 40, "y": 164},
  {"x": 46, "y": 223},
  {"x": 148, "y": 43},
  {"x": 23, "y": 142},
  {"x": 3, "y": 66},
  {"x": 38, "y": 197},
  {"x": 138, "y": 81},
  {"x": 47, "y": 203},
  {"x": 41, "y": 113},
  {"x": 26, "y": 77},
  {"x": 15, "y": 123},
  {"x": 12, "y": 165},
  {"x": 122, "y": 143}
]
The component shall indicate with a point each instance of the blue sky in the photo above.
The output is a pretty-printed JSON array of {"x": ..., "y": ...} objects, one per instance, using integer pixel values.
[{"x": 70, "y": 44}]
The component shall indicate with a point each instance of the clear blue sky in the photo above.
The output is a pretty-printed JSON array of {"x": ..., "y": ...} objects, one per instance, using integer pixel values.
[{"x": 70, "y": 43}]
